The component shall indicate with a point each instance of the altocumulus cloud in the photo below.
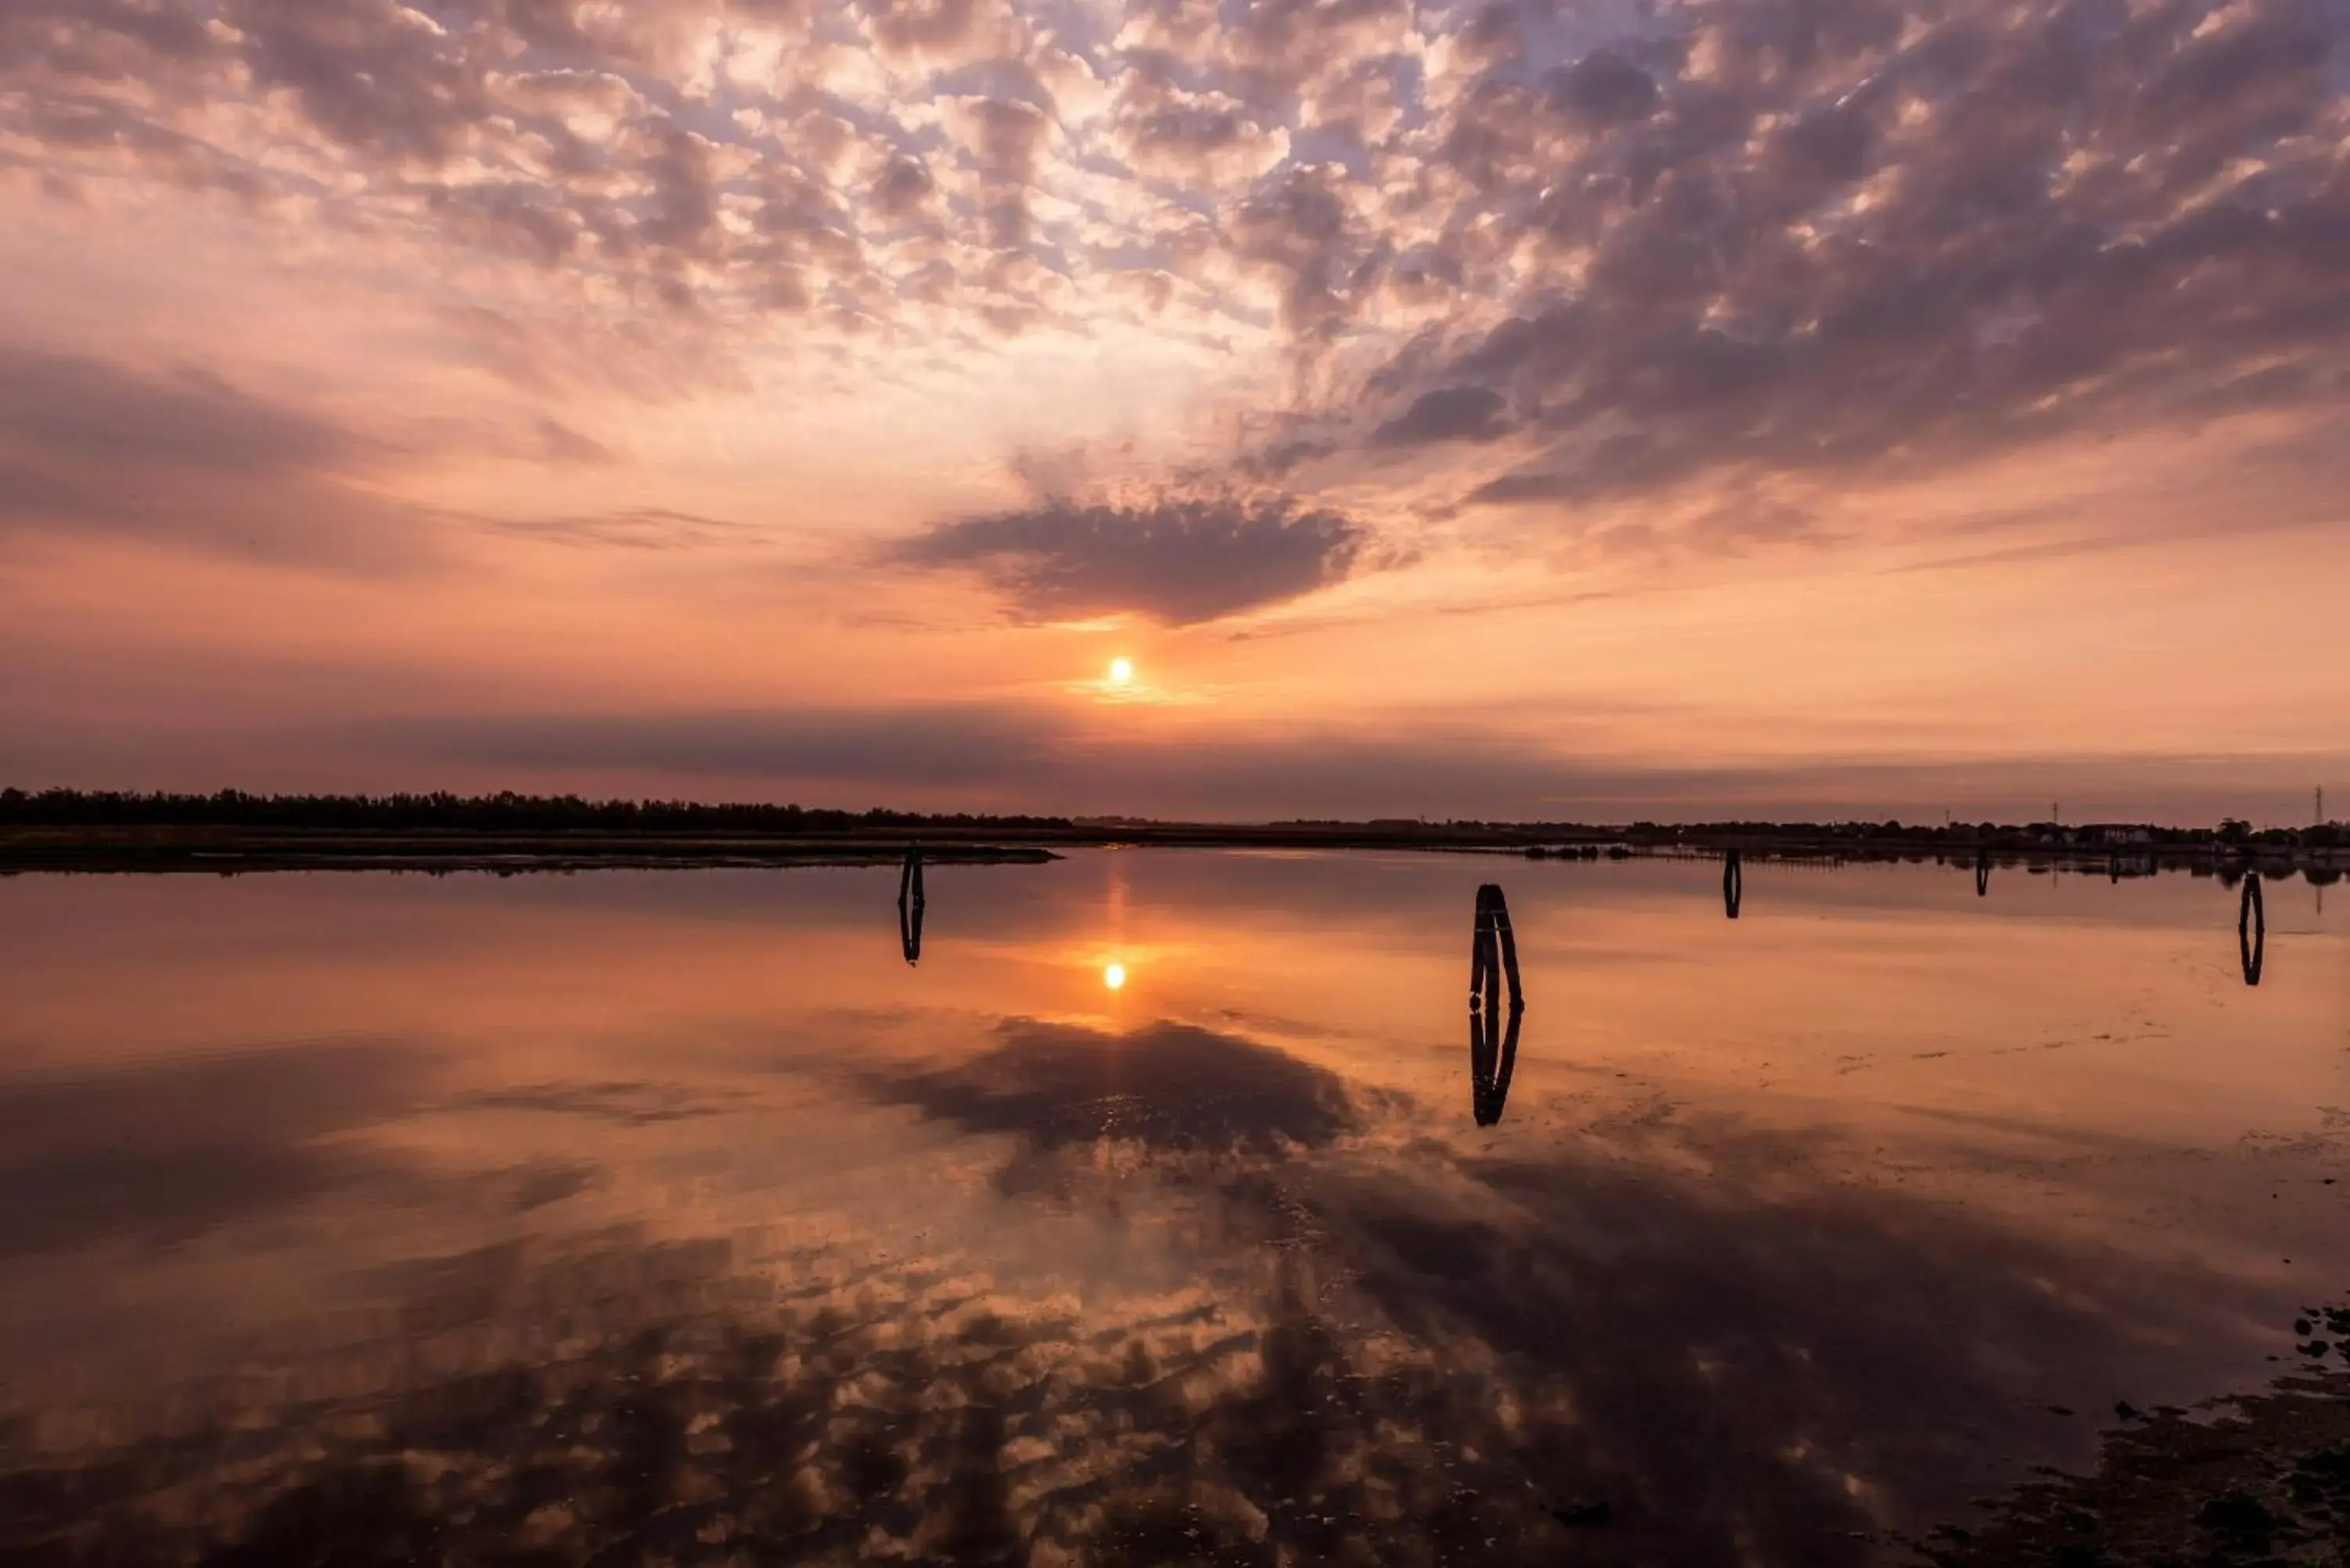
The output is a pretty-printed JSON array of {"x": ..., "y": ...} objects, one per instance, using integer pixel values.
[
  {"x": 1177, "y": 561},
  {"x": 1590, "y": 256},
  {"x": 1822, "y": 241}
]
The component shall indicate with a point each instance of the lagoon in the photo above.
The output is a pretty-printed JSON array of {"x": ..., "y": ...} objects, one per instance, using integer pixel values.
[{"x": 674, "y": 1216}]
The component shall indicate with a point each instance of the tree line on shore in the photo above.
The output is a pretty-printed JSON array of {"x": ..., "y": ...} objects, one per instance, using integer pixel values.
[
  {"x": 505, "y": 811},
  {"x": 508, "y": 812},
  {"x": 2132, "y": 838},
  {"x": 2126, "y": 837}
]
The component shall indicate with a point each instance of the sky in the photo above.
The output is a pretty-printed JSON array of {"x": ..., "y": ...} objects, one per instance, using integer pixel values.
[{"x": 1521, "y": 408}]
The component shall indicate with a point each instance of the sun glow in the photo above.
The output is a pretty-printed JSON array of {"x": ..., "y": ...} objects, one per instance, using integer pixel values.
[
  {"x": 1114, "y": 976},
  {"x": 1121, "y": 672}
]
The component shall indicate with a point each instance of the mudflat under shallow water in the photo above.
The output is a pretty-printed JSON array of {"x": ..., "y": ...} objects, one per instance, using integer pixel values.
[{"x": 1150, "y": 1217}]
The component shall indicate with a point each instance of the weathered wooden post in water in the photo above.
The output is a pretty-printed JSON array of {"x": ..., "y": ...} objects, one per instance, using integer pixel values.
[
  {"x": 1733, "y": 884},
  {"x": 1982, "y": 873},
  {"x": 1493, "y": 1042},
  {"x": 909, "y": 906},
  {"x": 2251, "y": 929}
]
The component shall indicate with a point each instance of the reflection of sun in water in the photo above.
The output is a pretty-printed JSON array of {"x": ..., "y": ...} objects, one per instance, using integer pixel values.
[
  {"x": 1114, "y": 976},
  {"x": 1121, "y": 672}
]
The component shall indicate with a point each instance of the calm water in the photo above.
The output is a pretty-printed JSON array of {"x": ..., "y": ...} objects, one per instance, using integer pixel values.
[{"x": 673, "y": 1217}]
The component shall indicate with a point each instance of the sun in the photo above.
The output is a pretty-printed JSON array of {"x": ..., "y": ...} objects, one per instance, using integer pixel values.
[
  {"x": 1114, "y": 976},
  {"x": 1121, "y": 672}
]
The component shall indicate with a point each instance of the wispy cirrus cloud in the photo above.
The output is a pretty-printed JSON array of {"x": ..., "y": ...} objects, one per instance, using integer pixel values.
[{"x": 183, "y": 458}]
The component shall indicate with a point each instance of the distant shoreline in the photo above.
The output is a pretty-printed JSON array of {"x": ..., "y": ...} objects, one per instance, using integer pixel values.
[
  {"x": 232, "y": 831},
  {"x": 222, "y": 849},
  {"x": 237, "y": 852}
]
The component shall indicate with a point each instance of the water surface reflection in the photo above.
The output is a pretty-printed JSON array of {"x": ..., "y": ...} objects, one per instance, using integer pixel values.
[{"x": 657, "y": 1218}]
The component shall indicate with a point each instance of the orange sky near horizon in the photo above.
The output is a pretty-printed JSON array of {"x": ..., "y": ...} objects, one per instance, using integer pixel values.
[{"x": 1532, "y": 409}]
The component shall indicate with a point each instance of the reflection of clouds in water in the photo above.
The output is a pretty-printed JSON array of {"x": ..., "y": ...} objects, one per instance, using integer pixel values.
[
  {"x": 1435, "y": 1357},
  {"x": 891, "y": 1414},
  {"x": 1165, "y": 1085},
  {"x": 167, "y": 1150},
  {"x": 630, "y": 1102},
  {"x": 948, "y": 1286},
  {"x": 1777, "y": 1370}
]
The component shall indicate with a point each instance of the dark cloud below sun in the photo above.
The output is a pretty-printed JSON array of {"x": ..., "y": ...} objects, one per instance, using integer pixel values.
[{"x": 1176, "y": 561}]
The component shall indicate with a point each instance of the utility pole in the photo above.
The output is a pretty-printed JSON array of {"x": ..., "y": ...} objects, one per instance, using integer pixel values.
[{"x": 2319, "y": 820}]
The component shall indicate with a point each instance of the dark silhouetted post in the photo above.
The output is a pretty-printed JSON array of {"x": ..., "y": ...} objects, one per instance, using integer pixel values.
[
  {"x": 1982, "y": 873},
  {"x": 1492, "y": 1042},
  {"x": 1733, "y": 884},
  {"x": 909, "y": 906},
  {"x": 2251, "y": 929}
]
